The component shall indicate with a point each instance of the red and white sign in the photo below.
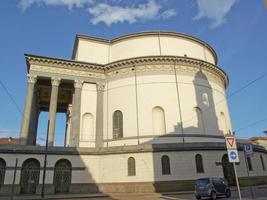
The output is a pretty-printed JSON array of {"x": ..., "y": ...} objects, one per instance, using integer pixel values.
[{"x": 230, "y": 142}]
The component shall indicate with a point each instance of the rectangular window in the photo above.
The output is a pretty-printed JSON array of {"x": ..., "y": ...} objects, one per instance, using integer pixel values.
[{"x": 249, "y": 164}]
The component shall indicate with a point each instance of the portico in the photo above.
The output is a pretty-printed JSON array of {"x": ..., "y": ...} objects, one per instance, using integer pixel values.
[
  {"x": 53, "y": 95},
  {"x": 55, "y": 86}
]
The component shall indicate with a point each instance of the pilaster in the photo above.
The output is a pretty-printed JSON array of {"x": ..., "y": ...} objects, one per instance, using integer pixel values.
[{"x": 99, "y": 114}]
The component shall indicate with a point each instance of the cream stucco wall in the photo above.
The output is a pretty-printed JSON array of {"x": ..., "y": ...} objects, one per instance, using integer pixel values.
[
  {"x": 137, "y": 93},
  {"x": 98, "y": 168},
  {"x": 95, "y": 50},
  {"x": 88, "y": 107}
]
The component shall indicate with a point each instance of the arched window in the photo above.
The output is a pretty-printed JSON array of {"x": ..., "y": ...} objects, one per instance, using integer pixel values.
[
  {"x": 117, "y": 124},
  {"x": 205, "y": 99},
  {"x": 199, "y": 163},
  {"x": 62, "y": 176},
  {"x": 249, "y": 164},
  {"x": 223, "y": 123},
  {"x": 2, "y": 171},
  {"x": 29, "y": 178},
  {"x": 262, "y": 163},
  {"x": 87, "y": 127},
  {"x": 158, "y": 121},
  {"x": 165, "y": 164},
  {"x": 200, "y": 121},
  {"x": 131, "y": 166}
]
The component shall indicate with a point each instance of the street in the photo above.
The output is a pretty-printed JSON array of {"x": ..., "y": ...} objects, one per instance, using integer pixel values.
[{"x": 260, "y": 193}]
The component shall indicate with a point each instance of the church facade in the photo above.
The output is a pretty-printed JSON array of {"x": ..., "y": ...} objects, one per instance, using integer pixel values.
[{"x": 145, "y": 112}]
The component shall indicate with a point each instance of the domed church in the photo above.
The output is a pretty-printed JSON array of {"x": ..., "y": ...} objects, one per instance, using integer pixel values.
[{"x": 145, "y": 112}]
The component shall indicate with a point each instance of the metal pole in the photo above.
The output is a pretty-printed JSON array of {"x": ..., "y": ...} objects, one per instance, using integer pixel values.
[
  {"x": 179, "y": 102},
  {"x": 45, "y": 160},
  {"x": 237, "y": 183},
  {"x": 14, "y": 179},
  {"x": 251, "y": 190}
]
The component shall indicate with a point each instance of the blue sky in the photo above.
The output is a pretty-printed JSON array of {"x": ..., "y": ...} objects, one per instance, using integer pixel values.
[{"x": 236, "y": 29}]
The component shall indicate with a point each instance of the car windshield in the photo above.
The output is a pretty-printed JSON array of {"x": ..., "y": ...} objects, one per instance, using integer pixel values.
[{"x": 202, "y": 182}]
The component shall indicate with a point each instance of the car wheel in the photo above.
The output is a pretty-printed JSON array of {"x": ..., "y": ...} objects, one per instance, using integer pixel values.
[
  {"x": 228, "y": 193},
  {"x": 213, "y": 196},
  {"x": 198, "y": 197}
]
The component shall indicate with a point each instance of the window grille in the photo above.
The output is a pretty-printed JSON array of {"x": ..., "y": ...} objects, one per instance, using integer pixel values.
[
  {"x": 131, "y": 166},
  {"x": 199, "y": 163},
  {"x": 117, "y": 124},
  {"x": 165, "y": 163}
]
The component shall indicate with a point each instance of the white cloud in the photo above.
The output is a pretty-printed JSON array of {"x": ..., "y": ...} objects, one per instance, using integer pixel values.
[
  {"x": 24, "y": 4},
  {"x": 108, "y": 14},
  {"x": 214, "y": 10},
  {"x": 168, "y": 13}
]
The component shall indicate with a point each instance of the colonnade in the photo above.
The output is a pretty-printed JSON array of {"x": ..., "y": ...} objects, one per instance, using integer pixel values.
[{"x": 32, "y": 110}]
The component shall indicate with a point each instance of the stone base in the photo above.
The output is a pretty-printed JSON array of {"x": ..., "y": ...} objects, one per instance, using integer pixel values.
[
  {"x": 250, "y": 181},
  {"x": 7, "y": 190},
  {"x": 138, "y": 187},
  {"x": 49, "y": 189}
]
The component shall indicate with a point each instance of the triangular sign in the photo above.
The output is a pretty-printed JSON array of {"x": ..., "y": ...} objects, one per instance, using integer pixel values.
[{"x": 230, "y": 141}]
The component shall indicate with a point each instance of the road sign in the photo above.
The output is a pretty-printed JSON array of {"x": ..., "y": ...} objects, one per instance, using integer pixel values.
[
  {"x": 248, "y": 149},
  {"x": 233, "y": 155},
  {"x": 230, "y": 142}
]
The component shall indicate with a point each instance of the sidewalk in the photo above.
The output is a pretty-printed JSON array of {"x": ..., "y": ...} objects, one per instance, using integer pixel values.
[
  {"x": 102, "y": 195},
  {"x": 54, "y": 196}
]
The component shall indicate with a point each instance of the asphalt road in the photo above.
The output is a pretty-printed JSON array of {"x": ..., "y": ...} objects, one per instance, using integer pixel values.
[{"x": 260, "y": 193}]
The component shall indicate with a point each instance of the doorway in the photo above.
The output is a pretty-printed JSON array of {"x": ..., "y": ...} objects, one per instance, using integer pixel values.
[{"x": 228, "y": 170}]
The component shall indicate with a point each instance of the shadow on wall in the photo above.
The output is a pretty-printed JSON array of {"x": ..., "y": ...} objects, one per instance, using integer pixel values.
[
  {"x": 199, "y": 133},
  {"x": 66, "y": 171}
]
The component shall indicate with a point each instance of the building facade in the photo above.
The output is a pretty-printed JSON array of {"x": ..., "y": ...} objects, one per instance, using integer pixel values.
[{"x": 145, "y": 112}]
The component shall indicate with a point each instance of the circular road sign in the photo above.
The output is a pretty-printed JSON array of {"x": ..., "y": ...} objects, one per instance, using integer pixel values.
[{"x": 233, "y": 155}]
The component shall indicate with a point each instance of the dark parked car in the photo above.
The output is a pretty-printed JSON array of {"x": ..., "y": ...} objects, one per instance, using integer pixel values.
[{"x": 211, "y": 187}]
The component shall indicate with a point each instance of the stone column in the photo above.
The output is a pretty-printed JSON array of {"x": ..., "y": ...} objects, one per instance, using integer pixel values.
[
  {"x": 53, "y": 110},
  {"x": 36, "y": 126},
  {"x": 25, "y": 127},
  {"x": 68, "y": 126},
  {"x": 34, "y": 119},
  {"x": 76, "y": 113},
  {"x": 99, "y": 114}
]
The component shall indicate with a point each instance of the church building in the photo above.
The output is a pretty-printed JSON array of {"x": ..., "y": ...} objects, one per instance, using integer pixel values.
[{"x": 145, "y": 112}]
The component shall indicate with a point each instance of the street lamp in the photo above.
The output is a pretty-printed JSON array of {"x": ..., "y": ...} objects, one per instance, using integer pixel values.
[{"x": 45, "y": 160}]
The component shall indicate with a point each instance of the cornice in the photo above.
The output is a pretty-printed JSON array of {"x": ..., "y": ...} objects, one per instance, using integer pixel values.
[
  {"x": 171, "y": 60},
  {"x": 63, "y": 63},
  {"x": 195, "y": 64},
  {"x": 205, "y": 146}
]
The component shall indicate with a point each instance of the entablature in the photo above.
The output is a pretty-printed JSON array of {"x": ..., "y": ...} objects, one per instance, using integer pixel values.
[{"x": 151, "y": 63}]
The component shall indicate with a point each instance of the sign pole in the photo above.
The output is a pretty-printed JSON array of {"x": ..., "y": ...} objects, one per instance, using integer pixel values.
[
  {"x": 232, "y": 152},
  {"x": 237, "y": 183}
]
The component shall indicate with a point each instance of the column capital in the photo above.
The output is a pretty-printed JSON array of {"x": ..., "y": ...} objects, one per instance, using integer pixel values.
[
  {"x": 100, "y": 86},
  {"x": 78, "y": 83},
  {"x": 55, "y": 81},
  {"x": 31, "y": 78}
]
